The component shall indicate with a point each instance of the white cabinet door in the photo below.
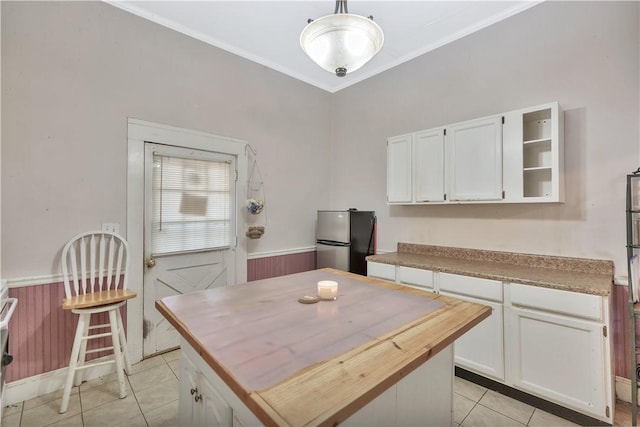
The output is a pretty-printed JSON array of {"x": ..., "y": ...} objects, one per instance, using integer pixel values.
[
  {"x": 558, "y": 358},
  {"x": 416, "y": 277},
  {"x": 381, "y": 271},
  {"x": 428, "y": 166},
  {"x": 188, "y": 388},
  {"x": 399, "y": 189},
  {"x": 481, "y": 350},
  {"x": 215, "y": 411},
  {"x": 200, "y": 404},
  {"x": 474, "y": 159}
]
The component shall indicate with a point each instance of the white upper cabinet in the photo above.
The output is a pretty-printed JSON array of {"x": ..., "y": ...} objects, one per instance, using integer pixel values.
[
  {"x": 474, "y": 159},
  {"x": 399, "y": 189},
  {"x": 415, "y": 167},
  {"x": 533, "y": 153},
  {"x": 514, "y": 157},
  {"x": 428, "y": 166}
]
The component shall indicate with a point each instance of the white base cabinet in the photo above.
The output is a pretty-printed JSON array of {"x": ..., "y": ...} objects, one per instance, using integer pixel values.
[
  {"x": 382, "y": 271},
  {"x": 482, "y": 348},
  {"x": 550, "y": 343},
  {"x": 200, "y": 404},
  {"x": 422, "y": 398},
  {"x": 416, "y": 277},
  {"x": 560, "y": 353}
]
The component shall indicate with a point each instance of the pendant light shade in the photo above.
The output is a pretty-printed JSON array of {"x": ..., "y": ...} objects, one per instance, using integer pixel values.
[{"x": 341, "y": 42}]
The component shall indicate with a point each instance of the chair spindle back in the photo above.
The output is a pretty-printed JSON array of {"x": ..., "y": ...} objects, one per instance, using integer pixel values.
[{"x": 94, "y": 262}]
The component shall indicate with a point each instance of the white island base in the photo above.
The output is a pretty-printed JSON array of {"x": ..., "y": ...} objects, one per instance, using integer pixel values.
[{"x": 423, "y": 398}]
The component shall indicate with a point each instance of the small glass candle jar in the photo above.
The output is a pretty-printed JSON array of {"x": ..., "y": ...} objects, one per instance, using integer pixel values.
[{"x": 327, "y": 289}]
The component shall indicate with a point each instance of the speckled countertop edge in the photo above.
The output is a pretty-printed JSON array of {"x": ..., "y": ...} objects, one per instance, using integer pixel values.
[{"x": 582, "y": 275}]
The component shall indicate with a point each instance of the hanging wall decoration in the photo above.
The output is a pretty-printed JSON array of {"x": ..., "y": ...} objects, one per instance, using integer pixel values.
[{"x": 257, "y": 217}]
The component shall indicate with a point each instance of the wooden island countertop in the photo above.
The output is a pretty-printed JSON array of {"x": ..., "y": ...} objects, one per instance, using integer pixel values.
[{"x": 316, "y": 364}]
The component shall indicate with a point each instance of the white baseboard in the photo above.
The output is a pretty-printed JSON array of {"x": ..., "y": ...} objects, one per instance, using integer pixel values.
[
  {"x": 623, "y": 389},
  {"x": 39, "y": 385}
]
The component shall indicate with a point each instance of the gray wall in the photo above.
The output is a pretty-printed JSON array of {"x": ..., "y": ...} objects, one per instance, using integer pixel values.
[
  {"x": 582, "y": 54},
  {"x": 73, "y": 72}
]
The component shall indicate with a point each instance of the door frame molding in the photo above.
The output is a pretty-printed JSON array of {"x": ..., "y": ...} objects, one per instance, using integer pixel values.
[{"x": 139, "y": 132}]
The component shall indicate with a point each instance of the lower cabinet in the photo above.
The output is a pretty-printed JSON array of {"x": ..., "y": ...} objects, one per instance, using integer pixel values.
[
  {"x": 200, "y": 404},
  {"x": 381, "y": 271},
  {"x": 547, "y": 342},
  {"x": 424, "y": 397},
  {"x": 560, "y": 356},
  {"x": 416, "y": 278},
  {"x": 482, "y": 348}
]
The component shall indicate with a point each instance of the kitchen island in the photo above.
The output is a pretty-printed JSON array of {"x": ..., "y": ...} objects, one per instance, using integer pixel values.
[{"x": 381, "y": 354}]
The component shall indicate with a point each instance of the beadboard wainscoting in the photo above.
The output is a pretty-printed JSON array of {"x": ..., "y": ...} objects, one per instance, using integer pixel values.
[
  {"x": 264, "y": 266},
  {"x": 41, "y": 333},
  {"x": 620, "y": 330}
]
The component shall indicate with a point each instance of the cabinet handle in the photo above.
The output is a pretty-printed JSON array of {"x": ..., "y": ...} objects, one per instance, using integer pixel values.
[
  {"x": 194, "y": 391},
  {"x": 198, "y": 397}
]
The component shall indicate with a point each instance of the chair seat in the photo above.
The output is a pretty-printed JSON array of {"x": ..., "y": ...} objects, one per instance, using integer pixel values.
[{"x": 97, "y": 299}]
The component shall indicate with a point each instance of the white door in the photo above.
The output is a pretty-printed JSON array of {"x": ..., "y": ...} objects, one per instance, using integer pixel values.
[
  {"x": 481, "y": 349},
  {"x": 189, "y": 232},
  {"x": 399, "y": 169},
  {"x": 558, "y": 358},
  {"x": 474, "y": 150},
  {"x": 428, "y": 166},
  {"x": 215, "y": 411}
]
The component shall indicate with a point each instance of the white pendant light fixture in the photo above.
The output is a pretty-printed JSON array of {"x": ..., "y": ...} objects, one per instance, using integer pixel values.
[{"x": 342, "y": 42}]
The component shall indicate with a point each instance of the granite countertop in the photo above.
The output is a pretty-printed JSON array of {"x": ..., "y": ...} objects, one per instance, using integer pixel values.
[{"x": 589, "y": 276}]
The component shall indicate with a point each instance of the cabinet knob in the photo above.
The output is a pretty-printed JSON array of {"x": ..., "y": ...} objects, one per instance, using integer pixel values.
[
  {"x": 194, "y": 391},
  {"x": 198, "y": 397}
]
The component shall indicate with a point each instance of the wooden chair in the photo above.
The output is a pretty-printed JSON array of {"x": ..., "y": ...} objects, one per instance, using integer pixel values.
[{"x": 95, "y": 267}]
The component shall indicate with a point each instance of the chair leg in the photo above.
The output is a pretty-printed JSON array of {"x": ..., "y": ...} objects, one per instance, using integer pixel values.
[
  {"x": 115, "y": 339},
  {"x": 123, "y": 344},
  {"x": 73, "y": 361},
  {"x": 83, "y": 352}
]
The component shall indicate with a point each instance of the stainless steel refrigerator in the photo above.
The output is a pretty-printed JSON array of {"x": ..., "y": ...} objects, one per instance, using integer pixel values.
[{"x": 344, "y": 239}]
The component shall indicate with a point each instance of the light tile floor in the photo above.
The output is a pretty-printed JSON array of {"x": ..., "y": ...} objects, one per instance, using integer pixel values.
[{"x": 153, "y": 401}]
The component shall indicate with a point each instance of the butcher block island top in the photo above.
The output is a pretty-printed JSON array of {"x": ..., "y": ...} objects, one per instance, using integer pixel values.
[{"x": 316, "y": 364}]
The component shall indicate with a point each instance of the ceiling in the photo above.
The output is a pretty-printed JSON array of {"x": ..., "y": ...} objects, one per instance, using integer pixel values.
[{"x": 268, "y": 32}]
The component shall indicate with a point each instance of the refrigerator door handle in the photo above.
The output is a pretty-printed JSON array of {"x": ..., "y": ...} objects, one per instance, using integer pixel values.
[{"x": 332, "y": 243}]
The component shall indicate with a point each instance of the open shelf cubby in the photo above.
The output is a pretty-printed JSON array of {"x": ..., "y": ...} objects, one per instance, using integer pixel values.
[
  {"x": 537, "y": 153},
  {"x": 537, "y": 125},
  {"x": 537, "y": 182}
]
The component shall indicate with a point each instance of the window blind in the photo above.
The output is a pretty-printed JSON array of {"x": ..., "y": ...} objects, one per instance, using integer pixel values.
[{"x": 192, "y": 204}]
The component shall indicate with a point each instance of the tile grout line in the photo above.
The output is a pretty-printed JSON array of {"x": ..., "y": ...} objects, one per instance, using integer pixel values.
[
  {"x": 137, "y": 401},
  {"x": 80, "y": 399},
  {"x": 531, "y": 417},
  {"x": 473, "y": 407},
  {"x": 505, "y": 415}
]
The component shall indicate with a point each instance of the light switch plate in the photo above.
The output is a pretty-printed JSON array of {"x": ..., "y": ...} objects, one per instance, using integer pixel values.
[{"x": 111, "y": 227}]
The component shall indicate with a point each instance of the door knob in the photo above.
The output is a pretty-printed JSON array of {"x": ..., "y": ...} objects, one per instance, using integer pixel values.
[{"x": 150, "y": 263}]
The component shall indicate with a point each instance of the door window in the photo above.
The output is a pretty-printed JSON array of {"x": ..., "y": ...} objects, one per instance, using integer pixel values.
[{"x": 192, "y": 204}]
